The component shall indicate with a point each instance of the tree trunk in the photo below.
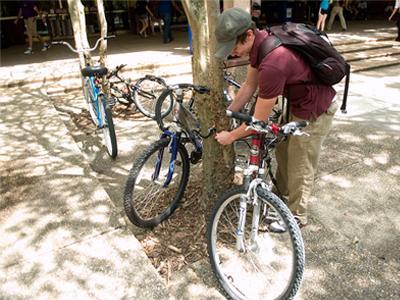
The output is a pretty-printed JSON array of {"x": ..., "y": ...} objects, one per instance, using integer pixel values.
[
  {"x": 218, "y": 161},
  {"x": 78, "y": 20},
  {"x": 103, "y": 32}
]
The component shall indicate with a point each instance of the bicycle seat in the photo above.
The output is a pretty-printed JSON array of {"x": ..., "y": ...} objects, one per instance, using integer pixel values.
[{"x": 94, "y": 71}]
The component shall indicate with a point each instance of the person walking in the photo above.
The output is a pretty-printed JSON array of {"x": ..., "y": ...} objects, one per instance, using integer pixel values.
[
  {"x": 337, "y": 9},
  {"x": 279, "y": 73},
  {"x": 29, "y": 11},
  {"x": 323, "y": 13},
  {"x": 144, "y": 16},
  {"x": 165, "y": 8},
  {"x": 396, "y": 10}
]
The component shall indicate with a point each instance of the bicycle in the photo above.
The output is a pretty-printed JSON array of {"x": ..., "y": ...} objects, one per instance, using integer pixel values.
[
  {"x": 158, "y": 178},
  {"x": 254, "y": 243},
  {"x": 98, "y": 102},
  {"x": 143, "y": 94}
]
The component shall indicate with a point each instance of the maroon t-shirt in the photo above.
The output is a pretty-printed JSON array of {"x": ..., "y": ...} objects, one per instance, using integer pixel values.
[{"x": 280, "y": 73}]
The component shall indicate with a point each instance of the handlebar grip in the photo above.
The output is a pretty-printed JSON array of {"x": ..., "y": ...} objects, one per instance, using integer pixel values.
[
  {"x": 109, "y": 37},
  {"x": 57, "y": 43},
  {"x": 240, "y": 116}
]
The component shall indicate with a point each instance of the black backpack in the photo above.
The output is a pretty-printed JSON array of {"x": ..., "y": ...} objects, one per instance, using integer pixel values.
[{"x": 327, "y": 64}]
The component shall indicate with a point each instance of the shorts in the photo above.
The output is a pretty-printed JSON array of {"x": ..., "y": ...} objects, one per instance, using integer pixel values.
[
  {"x": 30, "y": 25},
  {"x": 324, "y": 11}
]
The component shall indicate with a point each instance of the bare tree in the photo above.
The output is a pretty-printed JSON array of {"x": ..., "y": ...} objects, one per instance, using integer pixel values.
[
  {"x": 78, "y": 20},
  {"x": 103, "y": 32},
  {"x": 218, "y": 161}
]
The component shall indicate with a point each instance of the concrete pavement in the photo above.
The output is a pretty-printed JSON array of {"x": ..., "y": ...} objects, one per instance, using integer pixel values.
[{"x": 61, "y": 230}]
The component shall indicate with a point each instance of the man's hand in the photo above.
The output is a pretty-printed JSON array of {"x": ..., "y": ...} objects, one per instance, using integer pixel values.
[
  {"x": 16, "y": 21},
  {"x": 224, "y": 138}
]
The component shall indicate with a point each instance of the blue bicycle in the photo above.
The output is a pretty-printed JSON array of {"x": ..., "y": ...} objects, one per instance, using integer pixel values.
[
  {"x": 158, "y": 178},
  {"x": 98, "y": 102}
]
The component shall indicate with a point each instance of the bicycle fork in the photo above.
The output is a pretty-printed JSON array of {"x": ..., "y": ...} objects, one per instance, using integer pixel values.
[
  {"x": 173, "y": 149},
  {"x": 255, "y": 222}
]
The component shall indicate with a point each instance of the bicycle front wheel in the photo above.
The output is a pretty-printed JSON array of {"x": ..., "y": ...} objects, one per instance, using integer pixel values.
[
  {"x": 152, "y": 191},
  {"x": 145, "y": 94},
  {"x": 271, "y": 265},
  {"x": 107, "y": 125},
  {"x": 90, "y": 99}
]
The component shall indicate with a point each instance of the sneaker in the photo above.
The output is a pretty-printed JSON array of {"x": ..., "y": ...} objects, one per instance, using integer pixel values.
[
  {"x": 28, "y": 51},
  {"x": 45, "y": 47},
  {"x": 280, "y": 227}
]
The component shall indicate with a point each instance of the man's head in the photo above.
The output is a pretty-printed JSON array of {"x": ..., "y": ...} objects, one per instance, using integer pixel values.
[{"x": 234, "y": 33}]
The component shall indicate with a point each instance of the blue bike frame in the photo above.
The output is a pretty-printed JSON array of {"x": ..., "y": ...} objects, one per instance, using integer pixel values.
[
  {"x": 173, "y": 149},
  {"x": 96, "y": 92}
]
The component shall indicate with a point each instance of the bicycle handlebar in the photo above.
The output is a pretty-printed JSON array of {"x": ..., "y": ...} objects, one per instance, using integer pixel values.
[
  {"x": 84, "y": 49},
  {"x": 290, "y": 128}
]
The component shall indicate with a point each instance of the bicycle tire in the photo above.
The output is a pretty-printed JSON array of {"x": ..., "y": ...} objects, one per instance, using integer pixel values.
[
  {"x": 90, "y": 101},
  {"x": 220, "y": 254},
  {"x": 145, "y": 94},
  {"x": 110, "y": 139},
  {"x": 165, "y": 96},
  {"x": 157, "y": 211}
]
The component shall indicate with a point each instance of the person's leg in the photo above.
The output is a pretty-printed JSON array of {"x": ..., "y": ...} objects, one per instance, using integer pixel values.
[
  {"x": 281, "y": 175},
  {"x": 342, "y": 19},
  {"x": 303, "y": 157},
  {"x": 29, "y": 31},
  {"x": 319, "y": 22},
  {"x": 332, "y": 17},
  {"x": 167, "y": 27},
  {"x": 323, "y": 22},
  {"x": 398, "y": 27}
]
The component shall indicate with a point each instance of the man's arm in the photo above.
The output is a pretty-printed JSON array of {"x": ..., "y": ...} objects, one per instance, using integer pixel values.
[
  {"x": 262, "y": 111},
  {"x": 19, "y": 16},
  {"x": 246, "y": 91}
]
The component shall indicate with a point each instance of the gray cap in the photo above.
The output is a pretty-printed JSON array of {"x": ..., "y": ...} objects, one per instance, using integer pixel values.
[{"x": 230, "y": 24}]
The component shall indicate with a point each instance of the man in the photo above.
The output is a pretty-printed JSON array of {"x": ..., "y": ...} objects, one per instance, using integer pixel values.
[
  {"x": 165, "y": 9},
  {"x": 396, "y": 10},
  {"x": 337, "y": 9},
  {"x": 28, "y": 11},
  {"x": 298, "y": 156}
]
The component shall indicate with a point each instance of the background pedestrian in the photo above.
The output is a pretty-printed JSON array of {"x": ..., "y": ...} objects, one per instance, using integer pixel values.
[
  {"x": 395, "y": 11},
  {"x": 323, "y": 13},
  {"x": 29, "y": 11},
  {"x": 337, "y": 9}
]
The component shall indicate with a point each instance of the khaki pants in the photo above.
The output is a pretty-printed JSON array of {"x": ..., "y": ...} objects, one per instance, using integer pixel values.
[
  {"x": 297, "y": 160},
  {"x": 337, "y": 10},
  {"x": 30, "y": 25}
]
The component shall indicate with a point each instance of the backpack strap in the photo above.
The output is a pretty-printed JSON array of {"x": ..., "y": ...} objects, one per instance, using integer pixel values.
[{"x": 267, "y": 45}]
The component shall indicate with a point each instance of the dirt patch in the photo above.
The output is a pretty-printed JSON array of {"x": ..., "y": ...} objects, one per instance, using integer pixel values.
[{"x": 181, "y": 239}]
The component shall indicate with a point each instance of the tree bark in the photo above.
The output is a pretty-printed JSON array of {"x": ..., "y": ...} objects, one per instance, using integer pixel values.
[
  {"x": 218, "y": 161},
  {"x": 103, "y": 32},
  {"x": 78, "y": 20}
]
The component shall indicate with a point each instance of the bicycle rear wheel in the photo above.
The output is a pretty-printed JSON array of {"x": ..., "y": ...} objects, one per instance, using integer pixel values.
[
  {"x": 107, "y": 126},
  {"x": 273, "y": 267},
  {"x": 90, "y": 99},
  {"x": 148, "y": 200},
  {"x": 145, "y": 94}
]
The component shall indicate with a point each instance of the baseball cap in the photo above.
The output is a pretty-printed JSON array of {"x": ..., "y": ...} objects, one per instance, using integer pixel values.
[{"x": 230, "y": 24}]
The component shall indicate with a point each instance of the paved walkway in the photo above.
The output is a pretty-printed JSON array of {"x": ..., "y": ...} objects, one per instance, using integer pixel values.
[{"x": 62, "y": 234}]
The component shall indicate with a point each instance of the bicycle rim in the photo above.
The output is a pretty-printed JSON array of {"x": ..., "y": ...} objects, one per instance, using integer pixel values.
[
  {"x": 271, "y": 270},
  {"x": 146, "y": 94},
  {"x": 147, "y": 201},
  {"x": 90, "y": 100},
  {"x": 110, "y": 139}
]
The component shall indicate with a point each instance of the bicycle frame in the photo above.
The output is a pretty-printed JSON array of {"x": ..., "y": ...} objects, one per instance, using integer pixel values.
[
  {"x": 96, "y": 93},
  {"x": 254, "y": 176},
  {"x": 175, "y": 140}
]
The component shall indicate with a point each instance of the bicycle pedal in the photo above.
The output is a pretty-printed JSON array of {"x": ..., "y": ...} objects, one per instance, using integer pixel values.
[{"x": 195, "y": 157}]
